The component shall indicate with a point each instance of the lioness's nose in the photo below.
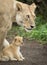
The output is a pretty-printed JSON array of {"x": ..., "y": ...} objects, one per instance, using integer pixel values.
[{"x": 32, "y": 26}]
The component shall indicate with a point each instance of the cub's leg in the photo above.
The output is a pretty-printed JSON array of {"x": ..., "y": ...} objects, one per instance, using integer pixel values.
[
  {"x": 7, "y": 56},
  {"x": 17, "y": 56},
  {"x": 11, "y": 57},
  {"x": 4, "y": 58},
  {"x": 21, "y": 56}
]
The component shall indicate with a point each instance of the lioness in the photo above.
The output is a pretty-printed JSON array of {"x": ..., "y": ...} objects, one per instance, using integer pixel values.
[{"x": 10, "y": 9}]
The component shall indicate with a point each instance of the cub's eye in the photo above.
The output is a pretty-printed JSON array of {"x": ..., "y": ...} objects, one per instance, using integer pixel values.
[
  {"x": 19, "y": 41},
  {"x": 28, "y": 16},
  {"x": 15, "y": 39}
]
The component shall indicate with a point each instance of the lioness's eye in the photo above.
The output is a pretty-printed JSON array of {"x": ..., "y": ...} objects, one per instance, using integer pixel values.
[
  {"x": 28, "y": 16},
  {"x": 21, "y": 21}
]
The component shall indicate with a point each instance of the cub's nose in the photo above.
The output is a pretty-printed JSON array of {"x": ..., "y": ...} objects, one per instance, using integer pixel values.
[
  {"x": 22, "y": 43},
  {"x": 32, "y": 26}
]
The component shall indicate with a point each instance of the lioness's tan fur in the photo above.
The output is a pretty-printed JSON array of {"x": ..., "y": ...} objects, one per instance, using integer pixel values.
[{"x": 8, "y": 11}]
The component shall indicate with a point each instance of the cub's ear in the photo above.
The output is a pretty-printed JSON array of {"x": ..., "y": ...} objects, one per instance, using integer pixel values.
[
  {"x": 32, "y": 8},
  {"x": 15, "y": 39},
  {"x": 19, "y": 7}
]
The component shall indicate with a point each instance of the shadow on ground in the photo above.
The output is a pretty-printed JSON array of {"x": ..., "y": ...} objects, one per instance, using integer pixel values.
[{"x": 34, "y": 53}]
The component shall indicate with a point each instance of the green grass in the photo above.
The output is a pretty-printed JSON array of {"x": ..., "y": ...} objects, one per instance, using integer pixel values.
[{"x": 39, "y": 33}]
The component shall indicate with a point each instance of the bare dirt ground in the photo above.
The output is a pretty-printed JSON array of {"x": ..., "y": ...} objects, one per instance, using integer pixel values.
[{"x": 34, "y": 53}]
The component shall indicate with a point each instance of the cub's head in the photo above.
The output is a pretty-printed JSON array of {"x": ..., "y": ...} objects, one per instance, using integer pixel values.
[
  {"x": 18, "y": 41},
  {"x": 24, "y": 16}
]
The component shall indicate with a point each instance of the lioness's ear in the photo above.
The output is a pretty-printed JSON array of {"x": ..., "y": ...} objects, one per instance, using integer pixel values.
[
  {"x": 19, "y": 7},
  {"x": 32, "y": 8}
]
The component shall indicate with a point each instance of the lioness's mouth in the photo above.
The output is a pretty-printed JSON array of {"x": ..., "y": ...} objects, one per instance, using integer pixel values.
[{"x": 27, "y": 29}]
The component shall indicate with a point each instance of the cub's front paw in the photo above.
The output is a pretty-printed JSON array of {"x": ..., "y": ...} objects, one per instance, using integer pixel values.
[
  {"x": 20, "y": 59},
  {"x": 23, "y": 57}
]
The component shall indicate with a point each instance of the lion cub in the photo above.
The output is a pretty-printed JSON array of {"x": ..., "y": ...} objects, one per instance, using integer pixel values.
[{"x": 12, "y": 52}]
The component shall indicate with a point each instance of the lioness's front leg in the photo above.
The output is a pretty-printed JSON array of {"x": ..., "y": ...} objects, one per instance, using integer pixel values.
[{"x": 5, "y": 25}]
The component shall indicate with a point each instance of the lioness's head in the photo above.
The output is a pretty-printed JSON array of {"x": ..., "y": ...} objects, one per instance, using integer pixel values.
[{"x": 24, "y": 15}]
